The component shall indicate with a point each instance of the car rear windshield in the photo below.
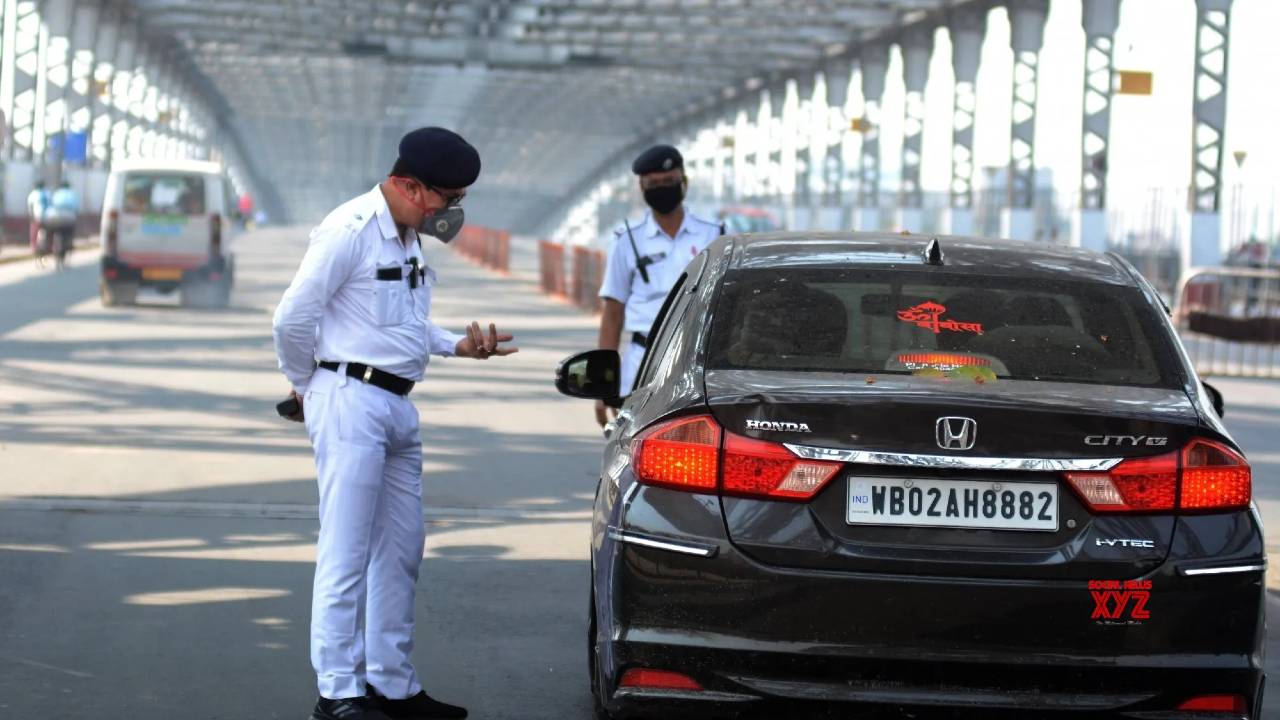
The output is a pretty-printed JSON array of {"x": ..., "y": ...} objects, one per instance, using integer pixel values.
[
  {"x": 163, "y": 194},
  {"x": 940, "y": 324}
]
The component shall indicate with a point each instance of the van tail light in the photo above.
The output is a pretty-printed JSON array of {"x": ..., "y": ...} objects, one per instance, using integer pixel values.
[
  {"x": 685, "y": 454},
  {"x": 658, "y": 680},
  {"x": 113, "y": 232},
  {"x": 1215, "y": 703},
  {"x": 682, "y": 454},
  {"x": 757, "y": 468},
  {"x": 215, "y": 235},
  {"x": 1205, "y": 476}
]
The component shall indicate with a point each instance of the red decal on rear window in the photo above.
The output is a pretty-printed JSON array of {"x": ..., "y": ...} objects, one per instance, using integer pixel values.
[{"x": 928, "y": 316}]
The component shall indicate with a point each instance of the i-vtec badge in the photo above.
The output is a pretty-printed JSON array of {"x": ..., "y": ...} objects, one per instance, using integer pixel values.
[
  {"x": 1123, "y": 542},
  {"x": 1125, "y": 440},
  {"x": 778, "y": 426}
]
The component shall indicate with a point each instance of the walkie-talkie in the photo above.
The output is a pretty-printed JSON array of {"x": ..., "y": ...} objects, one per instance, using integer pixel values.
[{"x": 642, "y": 263}]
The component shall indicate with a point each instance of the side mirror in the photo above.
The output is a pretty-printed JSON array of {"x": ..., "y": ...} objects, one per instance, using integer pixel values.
[
  {"x": 593, "y": 375},
  {"x": 1215, "y": 397}
]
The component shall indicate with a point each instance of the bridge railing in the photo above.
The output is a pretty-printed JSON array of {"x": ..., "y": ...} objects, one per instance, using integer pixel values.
[{"x": 1229, "y": 320}]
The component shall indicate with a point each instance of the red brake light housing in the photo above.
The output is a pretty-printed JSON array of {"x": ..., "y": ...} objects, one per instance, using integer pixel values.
[
  {"x": 686, "y": 454},
  {"x": 1215, "y": 703},
  {"x": 758, "y": 468},
  {"x": 1205, "y": 476},
  {"x": 658, "y": 680},
  {"x": 682, "y": 454}
]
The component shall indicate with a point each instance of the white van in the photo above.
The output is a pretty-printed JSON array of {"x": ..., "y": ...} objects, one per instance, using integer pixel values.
[{"x": 165, "y": 224}]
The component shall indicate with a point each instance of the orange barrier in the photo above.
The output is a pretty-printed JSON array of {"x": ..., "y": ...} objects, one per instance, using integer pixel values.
[
  {"x": 588, "y": 273},
  {"x": 485, "y": 246},
  {"x": 551, "y": 268},
  {"x": 580, "y": 285}
]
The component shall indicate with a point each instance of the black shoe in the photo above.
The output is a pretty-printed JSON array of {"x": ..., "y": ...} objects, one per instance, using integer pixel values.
[
  {"x": 356, "y": 708},
  {"x": 418, "y": 707}
]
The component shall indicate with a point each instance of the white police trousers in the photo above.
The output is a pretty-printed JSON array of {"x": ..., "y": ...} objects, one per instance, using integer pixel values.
[
  {"x": 632, "y": 354},
  {"x": 368, "y": 451}
]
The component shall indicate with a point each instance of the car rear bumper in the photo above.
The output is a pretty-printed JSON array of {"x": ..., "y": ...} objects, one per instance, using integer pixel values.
[
  {"x": 755, "y": 635},
  {"x": 168, "y": 273}
]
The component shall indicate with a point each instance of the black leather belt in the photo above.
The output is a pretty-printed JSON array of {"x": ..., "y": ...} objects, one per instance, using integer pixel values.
[
  {"x": 640, "y": 339},
  {"x": 373, "y": 376}
]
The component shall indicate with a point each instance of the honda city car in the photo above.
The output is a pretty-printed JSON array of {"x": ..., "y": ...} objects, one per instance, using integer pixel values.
[{"x": 915, "y": 475}]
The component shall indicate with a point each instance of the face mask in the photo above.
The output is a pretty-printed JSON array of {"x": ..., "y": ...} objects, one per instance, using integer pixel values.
[
  {"x": 664, "y": 198},
  {"x": 443, "y": 224}
]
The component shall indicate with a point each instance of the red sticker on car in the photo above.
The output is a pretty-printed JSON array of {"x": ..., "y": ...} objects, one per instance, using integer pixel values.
[{"x": 928, "y": 315}]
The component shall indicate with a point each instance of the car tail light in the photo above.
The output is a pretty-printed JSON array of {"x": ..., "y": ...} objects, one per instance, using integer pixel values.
[
  {"x": 1215, "y": 703},
  {"x": 1135, "y": 485},
  {"x": 1214, "y": 477},
  {"x": 215, "y": 235},
  {"x": 658, "y": 680},
  {"x": 763, "y": 469},
  {"x": 1205, "y": 476},
  {"x": 683, "y": 454},
  {"x": 113, "y": 232}
]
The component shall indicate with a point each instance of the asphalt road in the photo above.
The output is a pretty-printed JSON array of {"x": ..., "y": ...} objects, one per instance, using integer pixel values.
[{"x": 157, "y": 520}]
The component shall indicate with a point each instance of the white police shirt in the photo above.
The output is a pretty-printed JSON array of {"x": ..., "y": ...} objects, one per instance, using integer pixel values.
[
  {"x": 337, "y": 309},
  {"x": 670, "y": 256}
]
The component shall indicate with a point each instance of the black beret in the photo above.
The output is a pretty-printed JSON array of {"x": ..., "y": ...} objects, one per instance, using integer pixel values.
[
  {"x": 659, "y": 158},
  {"x": 439, "y": 157}
]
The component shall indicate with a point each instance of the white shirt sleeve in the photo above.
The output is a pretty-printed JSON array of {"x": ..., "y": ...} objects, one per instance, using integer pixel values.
[
  {"x": 617, "y": 271},
  {"x": 441, "y": 341},
  {"x": 328, "y": 263}
]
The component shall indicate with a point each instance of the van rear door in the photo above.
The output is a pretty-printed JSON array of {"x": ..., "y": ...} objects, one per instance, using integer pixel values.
[{"x": 164, "y": 222}]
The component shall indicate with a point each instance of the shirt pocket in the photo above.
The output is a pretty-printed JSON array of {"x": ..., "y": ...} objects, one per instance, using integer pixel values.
[
  {"x": 422, "y": 296},
  {"x": 392, "y": 304}
]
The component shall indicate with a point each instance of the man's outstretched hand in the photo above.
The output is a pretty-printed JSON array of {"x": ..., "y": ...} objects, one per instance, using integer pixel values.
[{"x": 483, "y": 346}]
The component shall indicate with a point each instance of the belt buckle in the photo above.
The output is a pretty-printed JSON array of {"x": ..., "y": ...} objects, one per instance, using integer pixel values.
[{"x": 368, "y": 374}]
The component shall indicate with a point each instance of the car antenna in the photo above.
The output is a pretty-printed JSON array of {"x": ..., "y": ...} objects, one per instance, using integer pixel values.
[{"x": 933, "y": 253}]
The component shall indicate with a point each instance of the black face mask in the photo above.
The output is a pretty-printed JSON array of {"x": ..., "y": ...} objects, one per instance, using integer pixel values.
[{"x": 664, "y": 198}]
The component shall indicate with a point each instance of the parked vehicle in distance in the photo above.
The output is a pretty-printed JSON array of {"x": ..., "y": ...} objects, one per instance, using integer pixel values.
[
  {"x": 165, "y": 225},
  {"x": 917, "y": 475}
]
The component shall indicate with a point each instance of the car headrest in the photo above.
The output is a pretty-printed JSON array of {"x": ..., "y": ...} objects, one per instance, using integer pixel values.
[{"x": 1037, "y": 310}]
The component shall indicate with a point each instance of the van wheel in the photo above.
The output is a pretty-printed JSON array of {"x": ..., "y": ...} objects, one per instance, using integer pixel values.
[{"x": 115, "y": 294}]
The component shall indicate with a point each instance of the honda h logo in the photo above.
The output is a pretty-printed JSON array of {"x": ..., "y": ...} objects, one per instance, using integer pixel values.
[{"x": 957, "y": 433}]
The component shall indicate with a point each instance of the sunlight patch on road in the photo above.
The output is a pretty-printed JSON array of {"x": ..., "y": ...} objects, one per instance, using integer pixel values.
[
  {"x": 136, "y": 545},
  {"x": 204, "y": 596},
  {"x": 22, "y": 547}
]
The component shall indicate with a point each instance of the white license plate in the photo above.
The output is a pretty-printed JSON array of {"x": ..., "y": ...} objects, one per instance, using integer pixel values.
[{"x": 953, "y": 503}]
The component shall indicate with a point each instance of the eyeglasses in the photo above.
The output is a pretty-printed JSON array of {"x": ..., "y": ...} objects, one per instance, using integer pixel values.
[
  {"x": 450, "y": 200},
  {"x": 453, "y": 200}
]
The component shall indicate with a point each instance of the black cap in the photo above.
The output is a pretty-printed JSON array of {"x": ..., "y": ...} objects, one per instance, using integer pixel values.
[
  {"x": 439, "y": 157},
  {"x": 659, "y": 158}
]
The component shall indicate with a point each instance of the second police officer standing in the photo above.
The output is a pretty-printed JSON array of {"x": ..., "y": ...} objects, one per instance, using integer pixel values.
[{"x": 647, "y": 258}]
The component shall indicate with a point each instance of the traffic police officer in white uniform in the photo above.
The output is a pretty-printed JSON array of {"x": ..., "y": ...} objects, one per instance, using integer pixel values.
[
  {"x": 353, "y": 334},
  {"x": 647, "y": 259}
]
